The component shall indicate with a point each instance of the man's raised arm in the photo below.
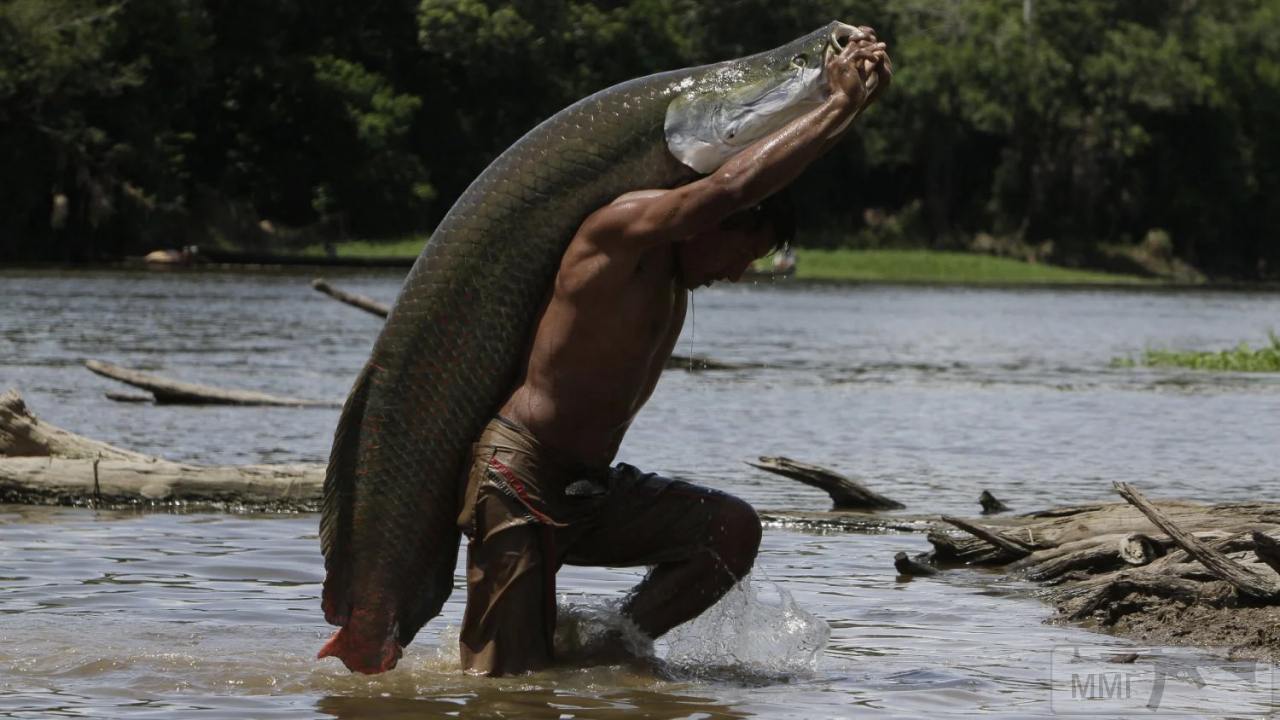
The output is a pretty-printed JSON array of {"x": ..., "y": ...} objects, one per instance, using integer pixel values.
[{"x": 762, "y": 169}]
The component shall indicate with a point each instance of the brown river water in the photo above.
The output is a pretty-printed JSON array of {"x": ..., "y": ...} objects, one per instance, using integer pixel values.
[{"x": 928, "y": 394}]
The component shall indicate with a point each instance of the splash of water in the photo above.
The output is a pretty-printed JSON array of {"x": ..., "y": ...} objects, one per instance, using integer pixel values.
[
  {"x": 598, "y": 630},
  {"x": 755, "y": 634},
  {"x": 757, "y": 631}
]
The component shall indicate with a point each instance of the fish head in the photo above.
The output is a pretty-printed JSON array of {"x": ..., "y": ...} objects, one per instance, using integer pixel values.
[{"x": 720, "y": 109}]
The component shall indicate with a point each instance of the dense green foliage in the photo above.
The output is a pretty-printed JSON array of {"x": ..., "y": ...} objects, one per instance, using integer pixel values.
[
  {"x": 1241, "y": 358},
  {"x": 1050, "y": 124}
]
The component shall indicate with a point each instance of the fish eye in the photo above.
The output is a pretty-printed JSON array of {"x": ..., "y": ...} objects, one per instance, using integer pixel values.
[{"x": 800, "y": 60}]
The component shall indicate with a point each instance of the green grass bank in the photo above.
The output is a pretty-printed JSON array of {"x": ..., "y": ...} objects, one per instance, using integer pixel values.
[
  {"x": 931, "y": 266},
  {"x": 890, "y": 266},
  {"x": 408, "y": 247}
]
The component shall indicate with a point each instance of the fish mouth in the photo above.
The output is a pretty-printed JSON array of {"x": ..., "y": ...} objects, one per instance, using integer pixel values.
[{"x": 841, "y": 35}]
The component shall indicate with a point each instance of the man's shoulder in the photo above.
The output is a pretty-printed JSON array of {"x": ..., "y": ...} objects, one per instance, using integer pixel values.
[
  {"x": 600, "y": 259},
  {"x": 624, "y": 220},
  {"x": 613, "y": 218}
]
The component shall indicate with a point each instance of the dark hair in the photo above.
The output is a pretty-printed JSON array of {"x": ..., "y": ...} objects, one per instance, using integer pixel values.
[{"x": 776, "y": 212}]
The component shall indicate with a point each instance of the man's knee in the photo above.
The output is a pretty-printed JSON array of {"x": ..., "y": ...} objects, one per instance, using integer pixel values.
[{"x": 737, "y": 536}]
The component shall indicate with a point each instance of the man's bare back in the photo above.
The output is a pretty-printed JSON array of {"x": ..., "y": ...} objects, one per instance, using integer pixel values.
[{"x": 599, "y": 347}]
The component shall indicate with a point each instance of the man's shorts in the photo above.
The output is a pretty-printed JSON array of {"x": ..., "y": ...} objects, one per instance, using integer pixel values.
[{"x": 527, "y": 511}]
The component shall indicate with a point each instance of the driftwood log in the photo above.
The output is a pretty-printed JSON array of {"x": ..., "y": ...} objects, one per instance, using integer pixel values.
[
  {"x": 991, "y": 504},
  {"x": 1267, "y": 549},
  {"x": 846, "y": 493},
  {"x": 23, "y": 435},
  {"x": 369, "y": 305},
  {"x": 176, "y": 392},
  {"x": 692, "y": 363},
  {"x": 913, "y": 568},
  {"x": 42, "y": 464},
  {"x": 1171, "y": 572}
]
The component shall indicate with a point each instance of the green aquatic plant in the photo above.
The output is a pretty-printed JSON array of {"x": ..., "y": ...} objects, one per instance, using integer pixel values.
[{"x": 1241, "y": 358}]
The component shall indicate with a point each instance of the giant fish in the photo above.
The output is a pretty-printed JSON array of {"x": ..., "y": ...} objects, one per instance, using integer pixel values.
[{"x": 449, "y": 351}]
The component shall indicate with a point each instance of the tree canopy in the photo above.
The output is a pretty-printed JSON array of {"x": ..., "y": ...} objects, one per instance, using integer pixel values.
[{"x": 1070, "y": 125}]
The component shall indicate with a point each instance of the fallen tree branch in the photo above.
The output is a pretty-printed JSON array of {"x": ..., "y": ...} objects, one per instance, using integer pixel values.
[
  {"x": 176, "y": 392},
  {"x": 369, "y": 305},
  {"x": 1090, "y": 559},
  {"x": 907, "y": 566},
  {"x": 1268, "y": 549},
  {"x": 108, "y": 483},
  {"x": 846, "y": 493},
  {"x": 1103, "y": 563},
  {"x": 46, "y": 465},
  {"x": 1139, "y": 549},
  {"x": 1013, "y": 549},
  {"x": 1124, "y": 585},
  {"x": 991, "y": 504},
  {"x": 1244, "y": 580},
  {"x": 23, "y": 435}
]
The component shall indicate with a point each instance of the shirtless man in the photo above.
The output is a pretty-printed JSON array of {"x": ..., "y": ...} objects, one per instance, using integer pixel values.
[{"x": 541, "y": 491}]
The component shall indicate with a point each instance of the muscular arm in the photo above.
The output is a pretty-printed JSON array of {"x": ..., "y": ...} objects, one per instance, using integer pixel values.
[{"x": 644, "y": 219}]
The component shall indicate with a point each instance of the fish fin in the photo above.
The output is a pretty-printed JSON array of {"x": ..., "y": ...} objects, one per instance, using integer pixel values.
[
  {"x": 338, "y": 502},
  {"x": 367, "y": 658}
]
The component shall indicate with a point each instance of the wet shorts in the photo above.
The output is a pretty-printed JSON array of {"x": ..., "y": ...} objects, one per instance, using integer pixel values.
[{"x": 526, "y": 512}]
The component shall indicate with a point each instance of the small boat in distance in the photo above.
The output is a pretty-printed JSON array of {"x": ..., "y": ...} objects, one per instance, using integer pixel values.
[
  {"x": 780, "y": 265},
  {"x": 171, "y": 258}
]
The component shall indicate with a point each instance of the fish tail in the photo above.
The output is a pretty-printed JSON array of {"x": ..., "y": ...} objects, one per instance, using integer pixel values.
[{"x": 363, "y": 652}]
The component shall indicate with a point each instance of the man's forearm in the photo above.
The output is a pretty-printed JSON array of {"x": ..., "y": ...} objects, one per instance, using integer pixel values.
[{"x": 777, "y": 159}]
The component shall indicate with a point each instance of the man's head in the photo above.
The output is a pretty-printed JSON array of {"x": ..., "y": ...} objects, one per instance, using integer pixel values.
[{"x": 726, "y": 252}]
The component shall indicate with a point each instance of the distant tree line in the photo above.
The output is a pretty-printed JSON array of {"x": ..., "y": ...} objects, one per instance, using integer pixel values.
[{"x": 1067, "y": 126}]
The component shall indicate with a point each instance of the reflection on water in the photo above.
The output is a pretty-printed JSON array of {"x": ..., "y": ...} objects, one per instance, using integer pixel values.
[
  {"x": 928, "y": 394},
  {"x": 536, "y": 703}
]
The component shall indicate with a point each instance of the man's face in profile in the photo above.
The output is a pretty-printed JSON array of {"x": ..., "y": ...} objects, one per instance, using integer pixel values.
[{"x": 724, "y": 253}]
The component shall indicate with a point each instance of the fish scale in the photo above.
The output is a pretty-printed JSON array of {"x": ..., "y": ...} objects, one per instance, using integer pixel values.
[{"x": 451, "y": 346}]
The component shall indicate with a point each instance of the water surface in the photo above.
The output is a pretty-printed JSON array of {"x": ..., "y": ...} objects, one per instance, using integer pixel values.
[{"x": 928, "y": 394}]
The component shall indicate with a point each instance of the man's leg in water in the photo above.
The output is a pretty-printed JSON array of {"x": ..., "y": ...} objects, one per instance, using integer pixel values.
[
  {"x": 509, "y": 623},
  {"x": 700, "y": 542},
  {"x": 510, "y": 616}
]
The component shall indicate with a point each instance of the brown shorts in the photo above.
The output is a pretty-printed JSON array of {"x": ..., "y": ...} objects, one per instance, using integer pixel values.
[{"x": 527, "y": 512}]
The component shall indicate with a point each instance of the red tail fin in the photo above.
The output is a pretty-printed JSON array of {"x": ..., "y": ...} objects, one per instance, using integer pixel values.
[{"x": 362, "y": 655}]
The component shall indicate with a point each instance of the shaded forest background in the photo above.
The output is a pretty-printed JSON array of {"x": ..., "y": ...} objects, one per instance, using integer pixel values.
[{"x": 1064, "y": 130}]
